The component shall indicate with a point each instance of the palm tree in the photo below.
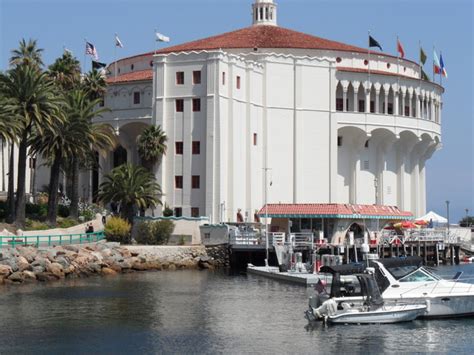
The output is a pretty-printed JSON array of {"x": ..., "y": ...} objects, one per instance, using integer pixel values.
[
  {"x": 35, "y": 103},
  {"x": 66, "y": 71},
  {"x": 151, "y": 145},
  {"x": 94, "y": 83},
  {"x": 72, "y": 140},
  {"x": 27, "y": 54},
  {"x": 132, "y": 187}
]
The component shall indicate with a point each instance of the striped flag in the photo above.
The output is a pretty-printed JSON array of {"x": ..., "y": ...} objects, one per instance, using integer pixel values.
[
  {"x": 436, "y": 64},
  {"x": 92, "y": 51},
  {"x": 443, "y": 69}
]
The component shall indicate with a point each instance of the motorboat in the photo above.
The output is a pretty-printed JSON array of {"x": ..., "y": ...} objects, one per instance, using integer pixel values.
[
  {"x": 403, "y": 281},
  {"x": 373, "y": 309}
]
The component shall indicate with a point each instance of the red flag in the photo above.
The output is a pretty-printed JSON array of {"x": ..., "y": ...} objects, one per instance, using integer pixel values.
[{"x": 400, "y": 49}]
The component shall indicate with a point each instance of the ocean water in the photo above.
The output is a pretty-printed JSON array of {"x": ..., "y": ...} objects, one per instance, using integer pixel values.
[{"x": 200, "y": 312}]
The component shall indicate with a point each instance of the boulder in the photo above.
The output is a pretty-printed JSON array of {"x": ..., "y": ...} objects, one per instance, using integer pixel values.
[
  {"x": 16, "y": 277},
  {"x": 46, "y": 276},
  {"x": 23, "y": 263},
  {"x": 126, "y": 253},
  {"x": 29, "y": 275},
  {"x": 108, "y": 271},
  {"x": 11, "y": 263},
  {"x": 38, "y": 268},
  {"x": 56, "y": 269},
  {"x": 69, "y": 269},
  {"x": 5, "y": 270},
  {"x": 72, "y": 248},
  {"x": 172, "y": 267}
]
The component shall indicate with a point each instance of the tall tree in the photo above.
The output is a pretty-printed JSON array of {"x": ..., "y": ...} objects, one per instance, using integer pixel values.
[
  {"x": 132, "y": 187},
  {"x": 151, "y": 145},
  {"x": 66, "y": 71},
  {"x": 36, "y": 104},
  {"x": 73, "y": 139},
  {"x": 27, "y": 53},
  {"x": 94, "y": 83}
]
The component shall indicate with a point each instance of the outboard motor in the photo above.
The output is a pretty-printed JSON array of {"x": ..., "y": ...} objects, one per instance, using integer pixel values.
[{"x": 314, "y": 303}]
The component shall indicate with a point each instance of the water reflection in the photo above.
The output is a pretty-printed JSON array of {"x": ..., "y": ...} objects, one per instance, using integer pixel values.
[{"x": 197, "y": 312}]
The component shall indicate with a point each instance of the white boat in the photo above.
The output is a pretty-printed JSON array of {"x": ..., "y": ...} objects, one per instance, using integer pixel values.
[
  {"x": 406, "y": 281},
  {"x": 372, "y": 310}
]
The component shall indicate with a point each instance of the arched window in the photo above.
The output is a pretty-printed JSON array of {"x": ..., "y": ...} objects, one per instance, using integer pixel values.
[{"x": 120, "y": 156}]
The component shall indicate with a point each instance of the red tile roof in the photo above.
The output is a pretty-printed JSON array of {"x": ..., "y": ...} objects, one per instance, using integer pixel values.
[
  {"x": 263, "y": 37},
  {"x": 139, "y": 75},
  {"x": 333, "y": 210}
]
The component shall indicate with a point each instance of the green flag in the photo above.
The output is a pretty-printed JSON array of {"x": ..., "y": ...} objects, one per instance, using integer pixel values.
[
  {"x": 424, "y": 76},
  {"x": 422, "y": 56}
]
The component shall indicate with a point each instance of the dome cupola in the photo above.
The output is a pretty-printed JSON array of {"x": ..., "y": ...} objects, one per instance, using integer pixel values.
[{"x": 264, "y": 13}]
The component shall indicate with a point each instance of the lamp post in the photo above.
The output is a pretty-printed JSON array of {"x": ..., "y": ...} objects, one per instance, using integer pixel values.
[
  {"x": 467, "y": 217},
  {"x": 266, "y": 218},
  {"x": 447, "y": 211}
]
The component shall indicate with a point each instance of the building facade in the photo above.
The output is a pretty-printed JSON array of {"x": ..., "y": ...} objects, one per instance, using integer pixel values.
[{"x": 267, "y": 114}]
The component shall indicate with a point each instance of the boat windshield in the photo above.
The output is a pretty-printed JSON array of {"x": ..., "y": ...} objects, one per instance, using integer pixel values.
[
  {"x": 417, "y": 276},
  {"x": 399, "y": 272}
]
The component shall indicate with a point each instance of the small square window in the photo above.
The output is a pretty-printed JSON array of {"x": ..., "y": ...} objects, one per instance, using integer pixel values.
[
  {"x": 180, "y": 78},
  {"x": 339, "y": 141},
  {"x": 178, "y": 212},
  {"x": 196, "y": 105},
  {"x": 361, "y": 105},
  {"x": 197, "y": 77},
  {"x": 255, "y": 139},
  {"x": 194, "y": 211},
  {"x": 195, "y": 182},
  {"x": 223, "y": 78},
  {"x": 407, "y": 110},
  {"x": 390, "y": 108},
  {"x": 339, "y": 104},
  {"x": 178, "y": 181},
  {"x": 179, "y": 148},
  {"x": 196, "y": 147},
  {"x": 372, "y": 106},
  {"x": 366, "y": 144},
  {"x": 136, "y": 98},
  {"x": 238, "y": 82},
  {"x": 179, "y": 105}
]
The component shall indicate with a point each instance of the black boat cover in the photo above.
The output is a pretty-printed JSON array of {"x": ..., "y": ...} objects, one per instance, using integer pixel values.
[
  {"x": 400, "y": 262},
  {"x": 346, "y": 269}
]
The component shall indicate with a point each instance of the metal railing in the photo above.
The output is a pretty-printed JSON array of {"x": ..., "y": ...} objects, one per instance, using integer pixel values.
[{"x": 51, "y": 240}]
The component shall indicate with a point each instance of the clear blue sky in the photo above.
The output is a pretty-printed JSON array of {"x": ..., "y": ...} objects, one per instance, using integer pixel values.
[{"x": 447, "y": 24}]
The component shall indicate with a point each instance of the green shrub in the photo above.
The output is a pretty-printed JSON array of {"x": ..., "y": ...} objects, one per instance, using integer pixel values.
[
  {"x": 167, "y": 211},
  {"x": 36, "y": 211},
  {"x": 117, "y": 230},
  {"x": 63, "y": 211},
  {"x": 66, "y": 222},
  {"x": 33, "y": 225},
  {"x": 154, "y": 232}
]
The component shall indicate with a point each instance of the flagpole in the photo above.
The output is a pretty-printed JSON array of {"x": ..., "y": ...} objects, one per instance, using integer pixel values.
[
  {"x": 440, "y": 70},
  {"x": 434, "y": 74},
  {"x": 419, "y": 84},
  {"x": 85, "y": 55},
  {"x": 115, "y": 58},
  {"x": 398, "y": 78}
]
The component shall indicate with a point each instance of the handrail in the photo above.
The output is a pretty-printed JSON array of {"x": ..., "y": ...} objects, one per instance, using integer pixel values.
[{"x": 53, "y": 239}]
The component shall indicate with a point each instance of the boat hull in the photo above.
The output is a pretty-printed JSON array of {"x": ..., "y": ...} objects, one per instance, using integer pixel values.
[{"x": 385, "y": 315}]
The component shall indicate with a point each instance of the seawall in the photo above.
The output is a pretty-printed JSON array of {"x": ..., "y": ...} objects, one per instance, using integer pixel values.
[{"x": 30, "y": 264}]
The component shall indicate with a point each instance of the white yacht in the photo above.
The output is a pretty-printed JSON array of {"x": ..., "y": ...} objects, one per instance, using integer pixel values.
[{"x": 403, "y": 281}]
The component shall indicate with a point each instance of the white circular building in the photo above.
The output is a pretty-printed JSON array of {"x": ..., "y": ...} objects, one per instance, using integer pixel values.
[{"x": 267, "y": 114}]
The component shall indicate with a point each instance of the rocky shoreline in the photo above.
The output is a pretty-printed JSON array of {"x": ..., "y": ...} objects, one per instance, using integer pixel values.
[{"x": 30, "y": 264}]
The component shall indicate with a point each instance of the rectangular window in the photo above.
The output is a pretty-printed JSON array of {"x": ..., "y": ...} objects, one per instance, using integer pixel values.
[
  {"x": 180, "y": 78},
  {"x": 390, "y": 108},
  {"x": 196, "y": 147},
  {"x": 179, "y": 148},
  {"x": 255, "y": 139},
  {"x": 366, "y": 165},
  {"x": 367, "y": 143},
  {"x": 179, "y": 105},
  {"x": 195, "y": 182},
  {"x": 178, "y": 181},
  {"x": 136, "y": 98},
  {"x": 223, "y": 78},
  {"x": 339, "y": 104},
  {"x": 196, "y": 105},
  {"x": 238, "y": 82},
  {"x": 361, "y": 106},
  {"x": 194, "y": 211},
  {"x": 196, "y": 77},
  {"x": 339, "y": 141},
  {"x": 407, "y": 110},
  {"x": 372, "y": 107},
  {"x": 178, "y": 212}
]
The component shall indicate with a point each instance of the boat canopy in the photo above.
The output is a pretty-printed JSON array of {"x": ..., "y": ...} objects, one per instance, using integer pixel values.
[
  {"x": 401, "y": 262},
  {"x": 347, "y": 269}
]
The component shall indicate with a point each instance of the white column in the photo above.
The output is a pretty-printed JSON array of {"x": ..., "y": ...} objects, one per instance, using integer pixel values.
[
  {"x": 356, "y": 85},
  {"x": 344, "y": 99},
  {"x": 377, "y": 95},
  {"x": 367, "y": 100},
  {"x": 396, "y": 102}
]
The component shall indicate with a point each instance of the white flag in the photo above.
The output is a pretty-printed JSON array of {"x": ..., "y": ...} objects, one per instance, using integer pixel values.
[
  {"x": 161, "y": 37},
  {"x": 118, "y": 42}
]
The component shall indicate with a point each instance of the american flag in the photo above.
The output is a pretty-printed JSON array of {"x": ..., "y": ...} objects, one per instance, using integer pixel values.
[{"x": 90, "y": 49}]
